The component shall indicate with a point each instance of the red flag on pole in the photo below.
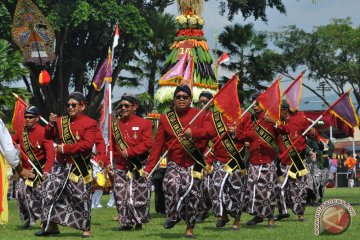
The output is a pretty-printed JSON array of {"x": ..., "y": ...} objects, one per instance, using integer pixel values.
[
  {"x": 270, "y": 100},
  {"x": 227, "y": 100},
  {"x": 18, "y": 121},
  {"x": 344, "y": 110},
  {"x": 223, "y": 58},
  {"x": 293, "y": 92}
]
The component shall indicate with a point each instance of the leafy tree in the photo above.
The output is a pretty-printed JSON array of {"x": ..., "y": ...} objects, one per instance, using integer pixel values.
[
  {"x": 250, "y": 58},
  {"x": 84, "y": 31},
  {"x": 11, "y": 69},
  {"x": 150, "y": 56},
  {"x": 331, "y": 54}
]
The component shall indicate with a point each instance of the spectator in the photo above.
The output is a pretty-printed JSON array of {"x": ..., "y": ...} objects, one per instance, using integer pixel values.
[
  {"x": 350, "y": 164},
  {"x": 333, "y": 165}
]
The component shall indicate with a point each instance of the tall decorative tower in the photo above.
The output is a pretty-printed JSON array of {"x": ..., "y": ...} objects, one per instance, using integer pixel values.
[{"x": 189, "y": 41}]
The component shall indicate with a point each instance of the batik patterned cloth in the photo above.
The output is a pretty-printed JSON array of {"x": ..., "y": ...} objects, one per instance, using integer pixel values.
[
  {"x": 132, "y": 199},
  {"x": 293, "y": 194},
  {"x": 66, "y": 202},
  {"x": 181, "y": 189},
  {"x": 227, "y": 191},
  {"x": 28, "y": 200},
  {"x": 260, "y": 198}
]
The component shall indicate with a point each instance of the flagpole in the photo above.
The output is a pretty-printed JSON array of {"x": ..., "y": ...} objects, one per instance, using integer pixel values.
[
  {"x": 313, "y": 124},
  {"x": 22, "y": 101},
  {"x": 25, "y": 157},
  {"x": 184, "y": 129}
]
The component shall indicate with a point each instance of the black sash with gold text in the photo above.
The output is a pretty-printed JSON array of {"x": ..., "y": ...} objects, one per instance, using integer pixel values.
[
  {"x": 264, "y": 134},
  {"x": 297, "y": 166},
  {"x": 136, "y": 162},
  {"x": 237, "y": 157},
  {"x": 82, "y": 164},
  {"x": 187, "y": 144},
  {"x": 39, "y": 164}
]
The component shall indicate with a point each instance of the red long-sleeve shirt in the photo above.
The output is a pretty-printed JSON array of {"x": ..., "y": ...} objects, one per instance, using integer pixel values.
[
  {"x": 42, "y": 147},
  {"x": 165, "y": 135},
  {"x": 83, "y": 128},
  {"x": 137, "y": 133},
  {"x": 295, "y": 125},
  {"x": 260, "y": 151},
  {"x": 219, "y": 151}
]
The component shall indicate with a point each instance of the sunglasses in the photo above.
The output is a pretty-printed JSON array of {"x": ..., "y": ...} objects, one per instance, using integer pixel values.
[
  {"x": 125, "y": 106},
  {"x": 72, "y": 105},
  {"x": 185, "y": 97},
  {"x": 29, "y": 117},
  {"x": 203, "y": 102}
]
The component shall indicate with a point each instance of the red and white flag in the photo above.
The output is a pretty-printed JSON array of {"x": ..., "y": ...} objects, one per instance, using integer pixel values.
[
  {"x": 116, "y": 37},
  {"x": 223, "y": 58}
]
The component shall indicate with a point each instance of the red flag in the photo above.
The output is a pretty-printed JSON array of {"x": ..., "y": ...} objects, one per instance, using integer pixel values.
[
  {"x": 344, "y": 110},
  {"x": 227, "y": 100},
  {"x": 18, "y": 121},
  {"x": 116, "y": 37},
  {"x": 270, "y": 100},
  {"x": 223, "y": 58},
  {"x": 293, "y": 92}
]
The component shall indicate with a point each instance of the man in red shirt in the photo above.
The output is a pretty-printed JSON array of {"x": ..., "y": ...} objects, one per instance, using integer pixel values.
[
  {"x": 185, "y": 161},
  {"x": 228, "y": 182},
  {"x": 66, "y": 189},
  {"x": 41, "y": 153},
  {"x": 292, "y": 189},
  {"x": 132, "y": 139},
  {"x": 262, "y": 178}
]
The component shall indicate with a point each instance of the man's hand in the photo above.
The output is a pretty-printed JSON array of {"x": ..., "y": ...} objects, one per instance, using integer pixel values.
[
  {"x": 186, "y": 134},
  {"x": 45, "y": 175},
  {"x": 146, "y": 176},
  {"x": 269, "y": 119},
  {"x": 52, "y": 118},
  {"x": 110, "y": 169},
  {"x": 59, "y": 148},
  {"x": 27, "y": 173}
]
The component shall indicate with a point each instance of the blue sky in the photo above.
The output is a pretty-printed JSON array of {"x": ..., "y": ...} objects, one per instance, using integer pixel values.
[{"x": 303, "y": 13}]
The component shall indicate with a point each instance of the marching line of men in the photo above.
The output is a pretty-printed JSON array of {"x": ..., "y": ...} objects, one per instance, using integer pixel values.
[{"x": 228, "y": 180}]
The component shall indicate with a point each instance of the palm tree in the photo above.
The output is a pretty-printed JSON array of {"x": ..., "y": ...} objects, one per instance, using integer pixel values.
[
  {"x": 250, "y": 58},
  {"x": 149, "y": 59}
]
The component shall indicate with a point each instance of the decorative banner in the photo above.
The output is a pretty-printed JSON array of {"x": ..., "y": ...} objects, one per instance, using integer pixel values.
[
  {"x": 344, "y": 110},
  {"x": 33, "y": 34},
  {"x": 184, "y": 47}
]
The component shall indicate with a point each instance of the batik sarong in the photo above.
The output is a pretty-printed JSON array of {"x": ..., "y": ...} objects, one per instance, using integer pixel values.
[
  {"x": 132, "y": 198},
  {"x": 182, "y": 193},
  {"x": 64, "y": 201},
  {"x": 227, "y": 191},
  {"x": 28, "y": 200},
  {"x": 292, "y": 193},
  {"x": 260, "y": 195}
]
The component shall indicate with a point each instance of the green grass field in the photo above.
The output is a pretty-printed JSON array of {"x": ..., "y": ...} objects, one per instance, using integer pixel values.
[{"x": 104, "y": 228}]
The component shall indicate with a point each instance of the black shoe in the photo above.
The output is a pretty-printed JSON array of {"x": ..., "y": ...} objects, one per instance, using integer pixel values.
[
  {"x": 138, "y": 227},
  {"x": 281, "y": 216},
  {"x": 170, "y": 223},
  {"x": 255, "y": 221},
  {"x": 26, "y": 224},
  {"x": 42, "y": 233},
  {"x": 202, "y": 216},
  {"x": 222, "y": 222},
  {"x": 125, "y": 228}
]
